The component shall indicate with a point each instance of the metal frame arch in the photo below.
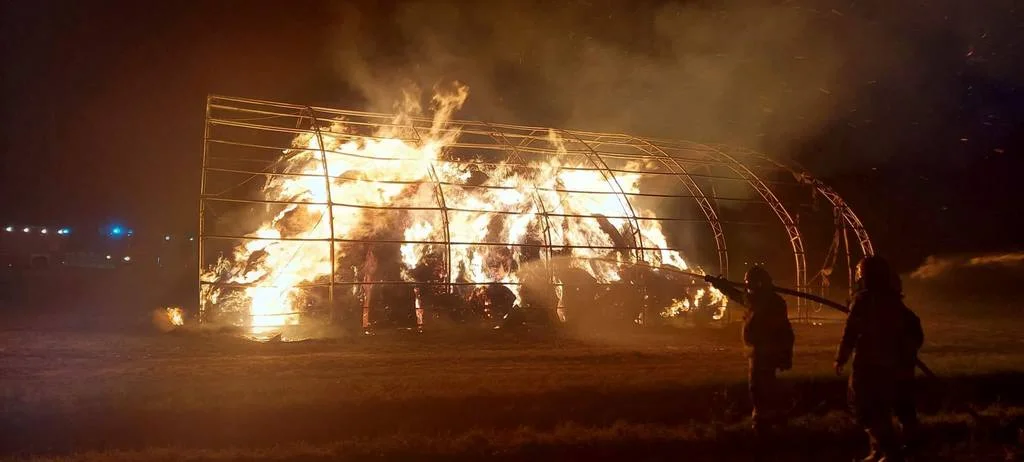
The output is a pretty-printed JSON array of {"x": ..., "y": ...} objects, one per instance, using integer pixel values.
[
  {"x": 852, "y": 221},
  {"x": 851, "y": 218},
  {"x": 443, "y": 205},
  {"x": 792, "y": 230},
  {"x": 200, "y": 251},
  {"x": 844, "y": 220},
  {"x": 627, "y": 207},
  {"x": 536, "y": 197},
  {"x": 702, "y": 201},
  {"x": 315, "y": 122},
  {"x": 702, "y": 171}
]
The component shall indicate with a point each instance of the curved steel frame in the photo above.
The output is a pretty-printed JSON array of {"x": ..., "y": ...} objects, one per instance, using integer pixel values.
[
  {"x": 681, "y": 160},
  {"x": 702, "y": 201},
  {"x": 795, "y": 241},
  {"x": 845, "y": 218},
  {"x": 614, "y": 183},
  {"x": 315, "y": 122},
  {"x": 498, "y": 136},
  {"x": 849, "y": 217},
  {"x": 439, "y": 196}
]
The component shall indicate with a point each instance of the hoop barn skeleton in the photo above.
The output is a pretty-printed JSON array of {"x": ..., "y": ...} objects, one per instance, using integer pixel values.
[{"x": 718, "y": 205}]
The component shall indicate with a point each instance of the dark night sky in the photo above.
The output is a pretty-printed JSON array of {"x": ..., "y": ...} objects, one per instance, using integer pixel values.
[{"x": 915, "y": 114}]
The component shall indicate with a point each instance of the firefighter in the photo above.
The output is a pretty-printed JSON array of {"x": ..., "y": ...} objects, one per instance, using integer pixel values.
[
  {"x": 769, "y": 338},
  {"x": 884, "y": 337}
]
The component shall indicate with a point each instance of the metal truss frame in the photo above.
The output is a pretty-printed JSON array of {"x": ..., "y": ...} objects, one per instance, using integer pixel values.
[{"x": 693, "y": 165}]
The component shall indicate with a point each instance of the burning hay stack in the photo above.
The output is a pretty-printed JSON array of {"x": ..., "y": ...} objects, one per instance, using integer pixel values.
[
  {"x": 168, "y": 319},
  {"x": 414, "y": 226}
]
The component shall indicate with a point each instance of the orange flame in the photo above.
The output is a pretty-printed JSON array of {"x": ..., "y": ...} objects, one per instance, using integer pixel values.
[
  {"x": 403, "y": 171},
  {"x": 176, "y": 316}
]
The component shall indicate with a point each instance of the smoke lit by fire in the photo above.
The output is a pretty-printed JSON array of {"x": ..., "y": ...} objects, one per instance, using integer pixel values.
[{"x": 386, "y": 184}]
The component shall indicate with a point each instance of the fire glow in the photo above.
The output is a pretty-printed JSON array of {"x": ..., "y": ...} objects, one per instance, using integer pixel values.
[
  {"x": 491, "y": 212},
  {"x": 175, "y": 316}
]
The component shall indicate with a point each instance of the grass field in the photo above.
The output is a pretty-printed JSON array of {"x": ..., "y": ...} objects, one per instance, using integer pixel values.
[{"x": 637, "y": 395}]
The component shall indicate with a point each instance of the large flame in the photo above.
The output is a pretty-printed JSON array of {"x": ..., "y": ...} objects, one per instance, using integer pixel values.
[{"x": 401, "y": 168}]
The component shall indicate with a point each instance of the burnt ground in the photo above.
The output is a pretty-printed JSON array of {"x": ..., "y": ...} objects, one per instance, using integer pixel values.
[{"x": 467, "y": 395}]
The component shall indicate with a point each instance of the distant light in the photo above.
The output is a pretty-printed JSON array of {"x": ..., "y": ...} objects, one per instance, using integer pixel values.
[
  {"x": 64, "y": 231},
  {"x": 167, "y": 238},
  {"x": 9, "y": 229},
  {"x": 127, "y": 258},
  {"x": 191, "y": 238},
  {"x": 43, "y": 231},
  {"x": 116, "y": 231},
  {"x": 109, "y": 257},
  {"x": 25, "y": 230}
]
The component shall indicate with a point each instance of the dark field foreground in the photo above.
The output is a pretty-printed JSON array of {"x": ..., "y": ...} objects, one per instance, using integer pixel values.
[{"x": 470, "y": 396}]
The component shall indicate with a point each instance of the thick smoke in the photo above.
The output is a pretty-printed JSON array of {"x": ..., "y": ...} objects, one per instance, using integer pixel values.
[
  {"x": 772, "y": 76},
  {"x": 733, "y": 73},
  {"x": 797, "y": 79},
  {"x": 739, "y": 73}
]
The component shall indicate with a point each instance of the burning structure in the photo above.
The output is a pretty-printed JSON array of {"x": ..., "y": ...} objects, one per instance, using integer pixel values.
[{"x": 310, "y": 212}]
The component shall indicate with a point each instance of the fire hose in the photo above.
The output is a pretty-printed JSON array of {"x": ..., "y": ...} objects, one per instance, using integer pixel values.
[
  {"x": 844, "y": 309},
  {"x": 795, "y": 293},
  {"x": 781, "y": 290},
  {"x": 814, "y": 298},
  {"x": 824, "y": 301}
]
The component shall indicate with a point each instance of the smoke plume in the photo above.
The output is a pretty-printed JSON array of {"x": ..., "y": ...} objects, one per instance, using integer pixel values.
[
  {"x": 766, "y": 75},
  {"x": 732, "y": 73},
  {"x": 796, "y": 79}
]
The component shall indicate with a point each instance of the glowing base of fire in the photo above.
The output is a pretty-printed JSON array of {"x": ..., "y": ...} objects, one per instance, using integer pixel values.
[
  {"x": 176, "y": 316},
  {"x": 271, "y": 326},
  {"x": 168, "y": 319}
]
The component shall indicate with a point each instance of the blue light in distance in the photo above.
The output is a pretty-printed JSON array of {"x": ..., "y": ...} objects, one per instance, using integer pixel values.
[{"x": 116, "y": 231}]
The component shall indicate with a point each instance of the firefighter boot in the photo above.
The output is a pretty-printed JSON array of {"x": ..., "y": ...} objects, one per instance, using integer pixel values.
[
  {"x": 876, "y": 449},
  {"x": 890, "y": 447}
]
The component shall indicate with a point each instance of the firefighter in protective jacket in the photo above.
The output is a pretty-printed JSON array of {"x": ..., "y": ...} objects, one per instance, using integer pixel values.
[
  {"x": 768, "y": 335},
  {"x": 884, "y": 336}
]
